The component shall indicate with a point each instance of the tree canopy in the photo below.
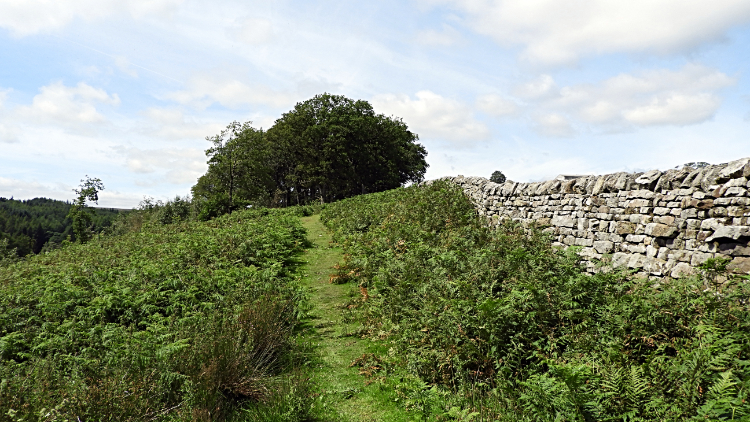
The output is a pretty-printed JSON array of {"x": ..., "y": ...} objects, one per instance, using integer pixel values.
[
  {"x": 29, "y": 225},
  {"x": 497, "y": 177},
  {"x": 327, "y": 148}
]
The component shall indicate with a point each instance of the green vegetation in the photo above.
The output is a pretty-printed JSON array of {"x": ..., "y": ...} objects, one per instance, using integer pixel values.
[
  {"x": 183, "y": 321},
  {"x": 327, "y": 148},
  {"x": 342, "y": 356},
  {"x": 497, "y": 177},
  {"x": 419, "y": 311},
  {"x": 499, "y": 325},
  {"x": 80, "y": 213},
  {"x": 27, "y": 226}
]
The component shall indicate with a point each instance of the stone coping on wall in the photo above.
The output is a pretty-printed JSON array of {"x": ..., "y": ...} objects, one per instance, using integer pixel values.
[{"x": 659, "y": 223}]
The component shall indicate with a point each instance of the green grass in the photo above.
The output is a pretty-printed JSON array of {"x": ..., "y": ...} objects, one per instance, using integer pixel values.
[{"x": 343, "y": 394}]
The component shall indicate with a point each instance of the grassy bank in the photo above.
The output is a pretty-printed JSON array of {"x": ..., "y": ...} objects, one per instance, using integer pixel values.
[
  {"x": 185, "y": 321},
  {"x": 499, "y": 325}
]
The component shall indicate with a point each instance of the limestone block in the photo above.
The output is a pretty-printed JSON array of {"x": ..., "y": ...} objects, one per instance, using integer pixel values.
[
  {"x": 622, "y": 182},
  {"x": 711, "y": 177},
  {"x": 734, "y": 169},
  {"x": 584, "y": 242},
  {"x": 667, "y": 219},
  {"x": 691, "y": 244},
  {"x": 736, "y": 191},
  {"x": 660, "y": 230},
  {"x": 689, "y": 213},
  {"x": 689, "y": 181},
  {"x": 637, "y": 203},
  {"x": 651, "y": 251},
  {"x": 676, "y": 243},
  {"x": 699, "y": 258},
  {"x": 691, "y": 234},
  {"x": 636, "y": 261},
  {"x": 717, "y": 212},
  {"x": 635, "y": 238},
  {"x": 729, "y": 232},
  {"x": 637, "y": 249},
  {"x": 662, "y": 254},
  {"x": 648, "y": 180},
  {"x": 711, "y": 224},
  {"x": 603, "y": 246},
  {"x": 615, "y": 238},
  {"x": 589, "y": 253},
  {"x": 569, "y": 240},
  {"x": 564, "y": 221},
  {"x": 673, "y": 204},
  {"x": 682, "y": 269},
  {"x": 654, "y": 266},
  {"x": 508, "y": 188},
  {"x": 699, "y": 195},
  {"x": 680, "y": 255},
  {"x": 623, "y": 227},
  {"x": 722, "y": 201},
  {"x": 661, "y": 210},
  {"x": 620, "y": 259},
  {"x": 598, "y": 185},
  {"x": 740, "y": 265},
  {"x": 703, "y": 235}
]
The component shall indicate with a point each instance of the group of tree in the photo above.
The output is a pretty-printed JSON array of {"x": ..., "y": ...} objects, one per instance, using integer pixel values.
[
  {"x": 327, "y": 148},
  {"x": 29, "y": 226}
]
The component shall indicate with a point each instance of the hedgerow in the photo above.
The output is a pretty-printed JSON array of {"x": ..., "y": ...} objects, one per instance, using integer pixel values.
[
  {"x": 185, "y": 321},
  {"x": 500, "y": 325}
]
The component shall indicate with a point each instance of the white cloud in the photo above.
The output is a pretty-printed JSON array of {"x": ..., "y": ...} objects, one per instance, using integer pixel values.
[
  {"x": 218, "y": 87},
  {"x": 125, "y": 66},
  {"x": 686, "y": 96},
  {"x": 178, "y": 166},
  {"x": 173, "y": 124},
  {"x": 432, "y": 116},
  {"x": 556, "y": 32},
  {"x": 68, "y": 105},
  {"x": 541, "y": 87},
  {"x": 8, "y": 133},
  {"x": 28, "y": 17},
  {"x": 22, "y": 189},
  {"x": 553, "y": 125},
  {"x": 445, "y": 38},
  {"x": 496, "y": 105},
  {"x": 253, "y": 31}
]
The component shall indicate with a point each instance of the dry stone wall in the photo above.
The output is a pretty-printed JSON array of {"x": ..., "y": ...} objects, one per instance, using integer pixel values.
[{"x": 659, "y": 223}]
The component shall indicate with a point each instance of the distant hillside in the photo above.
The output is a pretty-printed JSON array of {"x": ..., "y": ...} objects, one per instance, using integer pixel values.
[{"x": 30, "y": 224}]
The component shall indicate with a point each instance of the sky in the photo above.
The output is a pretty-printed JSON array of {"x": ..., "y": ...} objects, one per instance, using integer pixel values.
[{"x": 128, "y": 90}]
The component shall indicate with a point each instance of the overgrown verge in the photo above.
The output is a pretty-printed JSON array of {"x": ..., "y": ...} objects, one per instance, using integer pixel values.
[
  {"x": 499, "y": 325},
  {"x": 182, "y": 321}
]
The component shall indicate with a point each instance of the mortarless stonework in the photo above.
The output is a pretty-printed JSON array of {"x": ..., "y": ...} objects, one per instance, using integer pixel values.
[{"x": 658, "y": 223}]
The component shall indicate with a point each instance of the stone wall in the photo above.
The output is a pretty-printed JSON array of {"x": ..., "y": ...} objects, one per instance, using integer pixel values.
[{"x": 659, "y": 223}]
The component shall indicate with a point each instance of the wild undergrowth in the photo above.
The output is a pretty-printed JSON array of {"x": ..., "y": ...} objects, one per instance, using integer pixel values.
[
  {"x": 181, "y": 321},
  {"x": 496, "y": 324}
]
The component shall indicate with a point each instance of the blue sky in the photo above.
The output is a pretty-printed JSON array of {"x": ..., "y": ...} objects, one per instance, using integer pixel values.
[{"x": 127, "y": 90}]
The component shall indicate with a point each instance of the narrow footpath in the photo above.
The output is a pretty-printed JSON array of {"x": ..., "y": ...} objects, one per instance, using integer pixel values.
[{"x": 340, "y": 385}]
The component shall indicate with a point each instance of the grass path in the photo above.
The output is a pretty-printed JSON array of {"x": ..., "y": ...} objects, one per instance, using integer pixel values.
[{"x": 342, "y": 388}]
